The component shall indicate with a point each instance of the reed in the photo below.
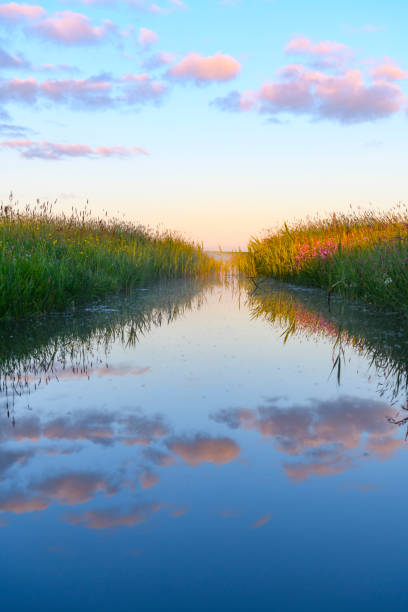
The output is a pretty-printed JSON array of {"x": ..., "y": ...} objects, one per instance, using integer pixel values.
[
  {"x": 51, "y": 262},
  {"x": 361, "y": 255}
]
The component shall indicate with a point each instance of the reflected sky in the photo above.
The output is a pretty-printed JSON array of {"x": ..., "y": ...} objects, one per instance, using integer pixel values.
[{"x": 190, "y": 448}]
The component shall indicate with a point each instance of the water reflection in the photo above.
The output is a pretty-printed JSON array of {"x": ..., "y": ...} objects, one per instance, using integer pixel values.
[
  {"x": 79, "y": 346},
  {"x": 34, "y": 352},
  {"x": 381, "y": 338},
  {"x": 25, "y": 492},
  {"x": 175, "y": 418},
  {"x": 326, "y": 437}
]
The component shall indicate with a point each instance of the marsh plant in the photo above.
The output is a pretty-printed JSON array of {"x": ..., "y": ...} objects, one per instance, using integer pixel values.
[
  {"x": 53, "y": 262},
  {"x": 360, "y": 255}
]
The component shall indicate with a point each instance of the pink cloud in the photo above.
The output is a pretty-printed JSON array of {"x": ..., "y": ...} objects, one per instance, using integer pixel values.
[
  {"x": 348, "y": 99},
  {"x": 72, "y": 28},
  {"x": 159, "y": 59},
  {"x": 344, "y": 97},
  {"x": 85, "y": 92},
  {"x": 236, "y": 102},
  {"x": 14, "y": 12},
  {"x": 388, "y": 70},
  {"x": 328, "y": 52},
  {"x": 205, "y": 449},
  {"x": 147, "y": 37},
  {"x": 99, "y": 91},
  {"x": 54, "y": 151},
  {"x": 119, "y": 151},
  {"x": 92, "y": 92},
  {"x": 294, "y": 96},
  {"x": 12, "y": 61},
  {"x": 158, "y": 10},
  {"x": 215, "y": 68},
  {"x": 141, "y": 89},
  {"x": 17, "y": 90},
  {"x": 152, "y": 7}
]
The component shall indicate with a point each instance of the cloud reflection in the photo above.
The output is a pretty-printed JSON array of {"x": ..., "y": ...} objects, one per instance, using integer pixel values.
[
  {"x": 201, "y": 449},
  {"x": 158, "y": 457},
  {"x": 262, "y": 521},
  {"x": 98, "y": 427},
  {"x": 148, "y": 479},
  {"x": 113, "y": 517},
  {"x": 20, "y": 503},
  {"x": 10, "y": 458},
  {"x": 75, "y": 487},
  {"x": 324, "y": 433},
  {"x": 179, "y": 511}
]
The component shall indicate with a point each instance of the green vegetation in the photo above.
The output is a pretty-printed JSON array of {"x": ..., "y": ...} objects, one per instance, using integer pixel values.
[
  {"x": 51, "y": 262},
  {"x": 360, "y": 255}
]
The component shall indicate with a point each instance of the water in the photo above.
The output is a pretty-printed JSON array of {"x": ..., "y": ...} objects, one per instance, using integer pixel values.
[{"x": 192, "y": 448}]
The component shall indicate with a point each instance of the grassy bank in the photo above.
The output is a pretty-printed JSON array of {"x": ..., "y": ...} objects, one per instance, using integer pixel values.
[
  {"x": 51, "y": 262},
  {"x": 360, "y": 255}
]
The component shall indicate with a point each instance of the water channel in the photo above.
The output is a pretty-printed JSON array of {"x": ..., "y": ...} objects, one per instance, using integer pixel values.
[{"x": 205, "y": 446}]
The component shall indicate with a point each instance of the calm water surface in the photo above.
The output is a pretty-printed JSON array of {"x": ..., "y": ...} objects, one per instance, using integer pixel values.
[{"x": 204, "y": 447}]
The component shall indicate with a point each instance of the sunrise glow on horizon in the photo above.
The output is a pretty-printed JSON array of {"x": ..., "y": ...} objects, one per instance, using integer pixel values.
[{"x": 217, "y": 118}]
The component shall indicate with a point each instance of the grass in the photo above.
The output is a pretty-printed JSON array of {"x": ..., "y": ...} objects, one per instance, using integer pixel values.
[
  {"x": 51, "y": 262},
  {"x": 361, "y": 255}
]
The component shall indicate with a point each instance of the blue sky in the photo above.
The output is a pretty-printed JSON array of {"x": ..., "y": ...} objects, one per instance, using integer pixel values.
[{"x": 214, "y": 118}]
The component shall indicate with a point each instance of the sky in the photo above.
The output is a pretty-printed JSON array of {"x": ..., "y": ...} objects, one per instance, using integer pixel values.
[{"x": 216, "y": 118}]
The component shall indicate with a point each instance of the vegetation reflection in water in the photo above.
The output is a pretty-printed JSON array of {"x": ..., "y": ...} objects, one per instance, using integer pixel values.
[
  {"x": 381, "y": 339},
  {"x": 129, "y": 448},
  {"x": 34, "y": 352},
  {"x": 78, "y": 346}
]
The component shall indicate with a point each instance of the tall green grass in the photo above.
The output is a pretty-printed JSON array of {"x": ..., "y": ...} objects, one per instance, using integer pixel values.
[
  {"x": 359, "y": 255},
  {"x": 51, "y": 262}
]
